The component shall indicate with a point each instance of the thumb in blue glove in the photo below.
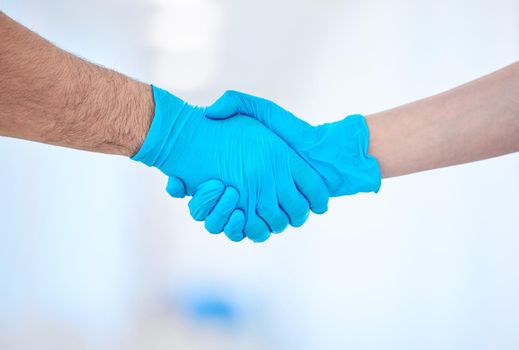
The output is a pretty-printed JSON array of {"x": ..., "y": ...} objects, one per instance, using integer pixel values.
[{"x": 338, "y": 151}]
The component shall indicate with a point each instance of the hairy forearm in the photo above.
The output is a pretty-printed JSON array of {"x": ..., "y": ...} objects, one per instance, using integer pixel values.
[
  {"x": 50, "y": 96},
  {"x": 475, "y": 121}
]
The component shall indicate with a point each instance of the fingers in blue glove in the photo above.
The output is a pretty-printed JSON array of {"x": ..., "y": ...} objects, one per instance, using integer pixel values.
[
  {"x": 205, "y": 198},
  {"x": 255, "y": 228},
  {"x": 276, "y": 219},
  {"x": 216, "y": 204},
  {"x": 176, "y": 187},
  {"x": 235, "y": 226},
  {"x": 293, "y": 203},
  {"x": 268, "y": 209},
  {"x": 311, "y": 185},
  {"x": 219, "y": 216}
]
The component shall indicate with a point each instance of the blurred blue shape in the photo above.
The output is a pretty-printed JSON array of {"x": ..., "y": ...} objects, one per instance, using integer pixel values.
[
  {"x": 210, "y": 304},
  {"x": 213, "y": 308}
]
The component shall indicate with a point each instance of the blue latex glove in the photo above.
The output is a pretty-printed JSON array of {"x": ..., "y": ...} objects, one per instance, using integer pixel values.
[
  {"x": 338, "y": 151},
  {"x": 275, "y": 185},
  {"x": 215, "y": 204}
]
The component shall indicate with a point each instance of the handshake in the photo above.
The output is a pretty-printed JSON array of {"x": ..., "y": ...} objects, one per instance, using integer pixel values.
[{"x": 251, "y": 167}]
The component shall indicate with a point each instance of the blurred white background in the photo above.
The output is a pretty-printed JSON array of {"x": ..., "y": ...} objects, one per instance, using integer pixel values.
[{"x": 95, "y": 255}]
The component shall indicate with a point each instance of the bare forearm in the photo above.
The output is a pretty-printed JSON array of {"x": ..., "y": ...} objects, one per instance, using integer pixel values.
[
  {"x": 475, "y": 121},
  {"x": 48, "y": 95}
]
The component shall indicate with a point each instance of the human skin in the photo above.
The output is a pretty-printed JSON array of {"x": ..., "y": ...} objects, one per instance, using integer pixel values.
[
  {"x": 49, "y": 95},
  {"x": 474, "y": 121}
]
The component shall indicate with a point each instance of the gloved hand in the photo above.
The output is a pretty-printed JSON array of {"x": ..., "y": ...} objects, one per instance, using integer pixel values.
[
  {"x": 338, "y": 151},
  {"x": 215, "y": 204},
  {"x": 275, "y": 185}
]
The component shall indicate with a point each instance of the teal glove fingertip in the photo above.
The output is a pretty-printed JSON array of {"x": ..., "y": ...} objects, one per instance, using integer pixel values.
[
  {"x": 176, "y": 187},
  {"x": 235, "y": 226}
]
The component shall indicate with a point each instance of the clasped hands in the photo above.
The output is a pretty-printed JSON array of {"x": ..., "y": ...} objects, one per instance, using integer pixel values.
[{"x": 253, "y": 168}]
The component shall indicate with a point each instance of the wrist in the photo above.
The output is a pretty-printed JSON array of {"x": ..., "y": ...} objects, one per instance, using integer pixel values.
[
  {"x": 139, "y": 118},
  {"x": 169, "y": 117}
]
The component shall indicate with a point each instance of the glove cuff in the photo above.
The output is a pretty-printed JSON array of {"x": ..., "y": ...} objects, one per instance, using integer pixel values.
[
  {"x": 163, "y": 130},
  {"x": 343, "y": 157},
  {"x": 367, "y": 177}
]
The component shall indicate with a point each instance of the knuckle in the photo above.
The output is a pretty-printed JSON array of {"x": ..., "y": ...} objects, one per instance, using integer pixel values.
[
  {"x": 264, "y": 210},
  {"x": 231, "y": 94}
]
